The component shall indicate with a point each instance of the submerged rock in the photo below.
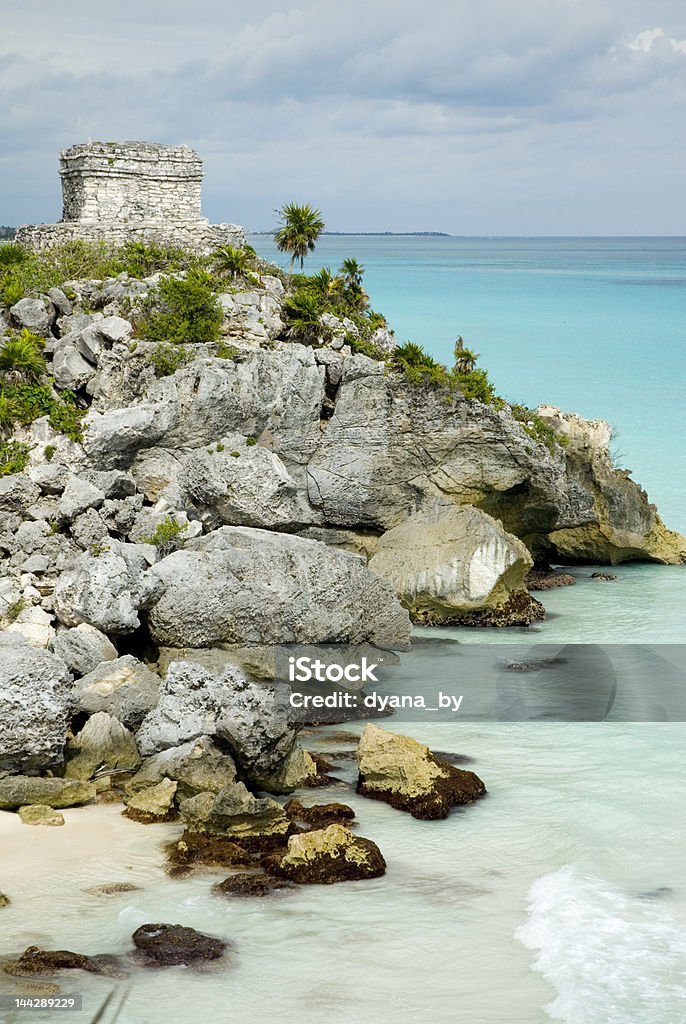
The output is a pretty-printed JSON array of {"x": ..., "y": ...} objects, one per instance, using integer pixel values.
[
  {"x": 249, "y": 883},
  {"x": 4, "y": 900},
  {"x": 548, "y": 579},
  {"x": 326, "y": 856},
  {"x": 19, "y": 790},
  {"x": 449, "y": 564},
  {"x": 40, "y": 814},
  {"x": 319, "y": 816},
  {"x": 35, "y": 960},
  {"x": 405, "y": 774},
  {"x": 172, "y": 945},
  {"x": 604, "y": 576},
  {"x": 195, "y": 848}
]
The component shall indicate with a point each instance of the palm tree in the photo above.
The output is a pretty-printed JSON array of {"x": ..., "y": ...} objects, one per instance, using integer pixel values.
[
  {"x": 300, "y": 227},
  {"x": 326, "y": 283},
  {"x": 233, "y": 262},
  {"x": 352, "y": 273},
  {"x": 465, "y": 358}
]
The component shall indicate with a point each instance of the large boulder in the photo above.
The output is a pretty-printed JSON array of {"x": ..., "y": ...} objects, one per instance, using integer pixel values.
[
  {"x": 239, "y": 484},
  {"x": 21, "y": 790},
  {"x": 125, "y": 689},
  {"x": 324, "y": 856},
  {"x": 405, "y": 774},
  {"x": 239, "y": 585},
  {"x": 250, "y": 717},
  {"x": 83, "y": 648},
  {"x": 154, "y": 804},
  {"x": 452, "y": 564},
  {"x": 197, "y": 767},
  {"x": 103, "y": 744},
  {"x": 35, "y": 315},
  {"x": 35, "y": 705},
  {"x": 107, "y": 590},
  {"x": 172, "y": 945},
  {"x": 236, "y": 813}
]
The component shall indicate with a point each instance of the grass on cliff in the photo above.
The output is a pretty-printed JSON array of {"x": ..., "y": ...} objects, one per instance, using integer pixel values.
[{"x": 27, "y": 392}]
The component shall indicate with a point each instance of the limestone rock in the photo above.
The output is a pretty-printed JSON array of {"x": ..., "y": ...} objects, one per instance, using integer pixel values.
[
  {"x": 329, "y": 855},
  {"x": 125, "y": 689},
  {"x": 40, "y": 814},
  {"x": 236, "y": 813},
  {"x": 35, "y": 705},
  {"x": 19, "y": 790},
  {"x": 242, "y": 485},
  {"x": 251, "y": 717},
  {"x": 83, "y": 648},
  {"x": 103, "y": 743},
  {"x": 17, "y": 493},
  {"x": 197, "y": 767},
  {"x": 107, "y": 590},
  {"x": 69, "y": 368},
  {"x": 258, "y": 587},
  {"x": 35, "y": 315},
  {"x": 50, "y": 477},
  {"x": 156, "y": 803},
  {"x": 448, "y": 563},
  {"x": 78, "y": 496},
  {"x": 405, "y": 774}
]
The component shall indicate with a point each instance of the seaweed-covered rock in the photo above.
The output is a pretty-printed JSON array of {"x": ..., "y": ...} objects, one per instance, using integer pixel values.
[
  {"x": 548, "y": 579},
  {"x": 103, "y": 744},
  {"x": 405, "y": 774},
  {"x": 236, "y": 813},
  {"x": 194, "y": 848},
  {"x": 249, "y": 883},
  {"x": 319, "y": 816},
  {"x": 40, "y": 814},
  {"x": 327, "y": 855},
  {"x": 154, "y": 804},
  {"x": 172, "y": 945},
  {"x": 35, "y": 704},
  {"x": 35, "y": 960},
  {"x": 20, "y": 790}
]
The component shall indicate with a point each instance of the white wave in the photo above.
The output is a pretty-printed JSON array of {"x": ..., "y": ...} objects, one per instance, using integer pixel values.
[{"x": 612, "y": 959}]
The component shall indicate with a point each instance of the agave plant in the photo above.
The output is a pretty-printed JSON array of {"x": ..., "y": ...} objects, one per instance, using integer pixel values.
[
  {"x": 22, "y": 358},
  {"x": 12, "y": 254}
]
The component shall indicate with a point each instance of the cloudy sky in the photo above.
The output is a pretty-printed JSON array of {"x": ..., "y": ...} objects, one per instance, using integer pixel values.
[{"x": 488, "y": 117}]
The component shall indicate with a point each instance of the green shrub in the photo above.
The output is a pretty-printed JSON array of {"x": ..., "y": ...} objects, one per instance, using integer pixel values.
[
  {"x": 475, "y": 386},
  {"x": 233, "y": 263},
  {"x": 66, "y": 417},
  {"x": 14, "y": 457},
  {"x": 251, "y": 441},
  {"x": 167, "y": 535},
  {"x": 303, "y": 310},
  {"x": 14, "y": 610},
  {"x": 12, "y": 254},
  {"x": 225, "y": 351},
  {"x": 139, "y": 260},
  {"x": 182, "y": 310},
  {"x": 49, "y": 452},
  {"x": 536, "y": 427},
  {"x": 23, "y": 356},
  {"x": 167, "y": 358},
  {"x": 8, "y": 413},
  {"x": 11, "y": 290}
]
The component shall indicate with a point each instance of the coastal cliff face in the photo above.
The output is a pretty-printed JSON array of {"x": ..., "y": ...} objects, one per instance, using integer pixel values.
[{"x": 260, "y": 491}]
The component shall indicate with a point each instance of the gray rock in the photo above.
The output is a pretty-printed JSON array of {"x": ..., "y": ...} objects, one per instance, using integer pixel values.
[
  {"x": 50, "y": 477},
  {"x": 113, "y": 439},
  {"x": 234, "y": 812},
  {"x": 89, "y": 530},
  {"x": 448, "y": 561},
  {"x": 83, "y": 648},
  {"x": 17, "y": 493},
  {"x": 114, "y": 329},
  {"x": 60, "y": 301},
  {"x": 243, "y": 485},
  {"x": 70, "y": 369},
  {"x": 35, "y": 704},
  {"x": 78, "y": 495},
  {"x": 198, "y": 767},
  {"x": 258, "y": 587},
  {"x": 89, "y": 343},
  {"x": 103, "y": 745},
  {"x": 113, "y": 483},
  {"x": 35, "y": 315},
  {"x": 125, "y": 689},
  {"x": 107, "y": 590},
  {"x": 21, "y": 790},
  {"x": 36, "y": 564},
  {"x": 251, "y": 717}
]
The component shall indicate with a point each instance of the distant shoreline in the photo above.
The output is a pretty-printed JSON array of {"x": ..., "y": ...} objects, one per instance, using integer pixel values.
[{"x": 375, "y": 234}]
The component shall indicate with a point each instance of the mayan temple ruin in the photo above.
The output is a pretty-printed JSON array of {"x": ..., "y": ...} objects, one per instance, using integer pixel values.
[{"x": 116, "y": 192}]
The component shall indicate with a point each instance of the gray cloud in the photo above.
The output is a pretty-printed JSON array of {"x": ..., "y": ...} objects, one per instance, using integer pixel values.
[{"x": 550, "y": 116}]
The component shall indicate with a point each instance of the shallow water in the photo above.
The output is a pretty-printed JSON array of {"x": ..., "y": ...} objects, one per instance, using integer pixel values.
[{"x": 563, "y": 889}]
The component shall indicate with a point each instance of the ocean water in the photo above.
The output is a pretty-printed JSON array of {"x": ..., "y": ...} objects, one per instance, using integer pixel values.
[{"x": 562, "y": 895}]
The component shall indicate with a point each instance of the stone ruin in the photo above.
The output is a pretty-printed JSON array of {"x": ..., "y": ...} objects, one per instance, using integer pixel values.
[{"x": 117, "y": 192}]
